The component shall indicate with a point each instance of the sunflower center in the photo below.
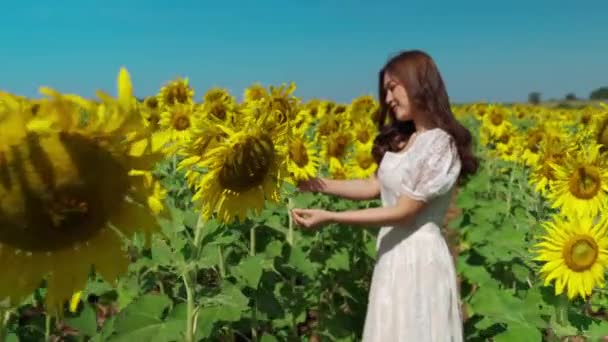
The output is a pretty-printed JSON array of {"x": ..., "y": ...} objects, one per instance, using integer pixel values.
[
  {"x": 496, "y": 118},
  {"x": 586, "y": 118},
  {"x": 580, "y": 253},
  {"x": 534, "y": 141},
  {"x": 585, "y": 182},
  {"x": 177, "y": 94},
  {"x": 365, "y": 160},
  {"x": 281, "y": 107},
  {"x": 337, "y": 147},
  {"x": 58, "y": 191},
  {"x": 151, "y": 102},
  {"x": 219, "y": 111},
  {"x": 257, "y": 94},
  {"x": 363, "y": 135},
  {"x": 248, "y": 166},
  {"x": 328, "y": 127},
  {"x": 339, "y": 109},
  {"x": 181, "y": 122},
  {"x": 297, "y": 153}
]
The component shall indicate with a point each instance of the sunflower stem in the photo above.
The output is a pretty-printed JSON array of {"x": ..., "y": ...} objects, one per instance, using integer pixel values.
[
  {"x": 561, "y": 311},
  {"x": 290, "y": 227},
  {"x": 188, "y": 277},
  {"x": 252, "y": 240},
  {"x": 254, "y": 327},
  {"x": 47, "y": 327},
  {"x": 221, "y": 262},
  {"x": 290, "y": 206},
  {"x": 5, "y": 315},
  {"x": 189, "y": 335}
]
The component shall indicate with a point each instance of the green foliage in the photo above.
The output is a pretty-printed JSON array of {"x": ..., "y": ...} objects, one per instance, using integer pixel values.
[
  {"x": 503, "y": 297},
  {"x": 266, "y": 280},
  {"x": 534, "y": 97},
  {"x": 600, "y": 93}
]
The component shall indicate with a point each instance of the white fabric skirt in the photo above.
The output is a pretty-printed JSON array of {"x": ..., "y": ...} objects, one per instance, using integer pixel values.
[{"x": 413, "y": 295}]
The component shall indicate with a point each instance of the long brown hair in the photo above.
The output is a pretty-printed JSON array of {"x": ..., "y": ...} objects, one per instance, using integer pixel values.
[{"x": 427, "y": 95}]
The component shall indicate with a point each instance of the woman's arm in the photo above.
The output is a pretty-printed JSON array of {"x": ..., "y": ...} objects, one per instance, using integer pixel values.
[
  {"x": 405, "y": 209},
  {"x": 355, "y": 189}
]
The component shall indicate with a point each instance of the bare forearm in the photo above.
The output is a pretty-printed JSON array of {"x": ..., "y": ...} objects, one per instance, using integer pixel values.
[
  {"x": 383, "y": 216},
  {"x": 355, "y": 189}
]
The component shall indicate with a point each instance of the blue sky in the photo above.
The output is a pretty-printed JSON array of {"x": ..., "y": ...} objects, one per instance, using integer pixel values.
[{"x": 486, "y": 50}]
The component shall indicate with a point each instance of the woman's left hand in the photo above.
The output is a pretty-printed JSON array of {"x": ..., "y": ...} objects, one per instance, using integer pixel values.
[{"x": 311, "y": 218}]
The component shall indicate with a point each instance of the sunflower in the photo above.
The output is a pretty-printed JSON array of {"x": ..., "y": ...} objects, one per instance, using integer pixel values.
[
  {"x": 303, "y": 160},
  {"x": 601, "y": 131},
  {"x": 364, "y": 130},
  {"x": 175, "y": 125},
  {"x": 219, "y": 104},
  {"x": 545, "y": 132},
  {"x": 66, "y": 202},
  {"x": 255, "y": 92},
  {"x": 207, "y": 133},
  {"x": 509, "y": 148},
  {"x": 542, "y": 174},
  {"x": 496, "y": 121},
  {"x": 175, "y": 91},
  {"x": 243, "y": 170},
  {"x": 575, "y": 254},
  {"x": 362, "y": 163},
  {"x": 302, "y": 122},
  {"x": 336, "y": 145},
  {"x": 327, "y": 125},
  {"x": 151, "y": 112},
  {"x": 337, "y": 169},
  {"x": 581, "y": 182},
  {"x": 361, "y": 108},
  {"x": 480, "y": 110},
  {"x": 281, "y": 104}
]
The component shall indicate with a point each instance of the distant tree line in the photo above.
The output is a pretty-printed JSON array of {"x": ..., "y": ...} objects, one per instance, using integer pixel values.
[{"x": 600, "y": 93}]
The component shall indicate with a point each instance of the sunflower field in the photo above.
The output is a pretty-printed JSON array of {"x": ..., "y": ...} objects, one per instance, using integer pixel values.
[{"x": 167, "y": 218}]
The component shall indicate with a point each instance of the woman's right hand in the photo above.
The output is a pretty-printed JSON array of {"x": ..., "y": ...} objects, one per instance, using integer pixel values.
[{"x": 312, "y": 185}]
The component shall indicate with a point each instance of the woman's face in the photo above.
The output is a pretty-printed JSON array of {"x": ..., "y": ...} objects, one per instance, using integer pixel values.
[{"x": 396, "y": 98}]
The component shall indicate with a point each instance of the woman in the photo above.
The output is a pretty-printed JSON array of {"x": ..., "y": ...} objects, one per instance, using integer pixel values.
[{"x": 422, "y": 153}]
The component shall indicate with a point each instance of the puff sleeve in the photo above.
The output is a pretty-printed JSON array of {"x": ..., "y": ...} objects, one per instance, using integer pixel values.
[{"x": 433, "y": 171}]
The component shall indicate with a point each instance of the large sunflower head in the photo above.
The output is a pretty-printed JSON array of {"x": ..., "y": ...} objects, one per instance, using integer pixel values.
[
  {"x": 66, "y": 198},
  {"x": 574, "y": 252},
  {"x": 581, "y": 182},
  {"x": 243, "y": 170}
]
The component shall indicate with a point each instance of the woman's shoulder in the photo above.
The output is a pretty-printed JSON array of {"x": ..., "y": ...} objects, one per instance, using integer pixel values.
[{"x": 435, "y": 137}]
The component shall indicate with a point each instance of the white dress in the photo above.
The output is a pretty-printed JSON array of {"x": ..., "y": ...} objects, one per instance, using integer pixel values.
[{"x": 413, "y": 295}]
